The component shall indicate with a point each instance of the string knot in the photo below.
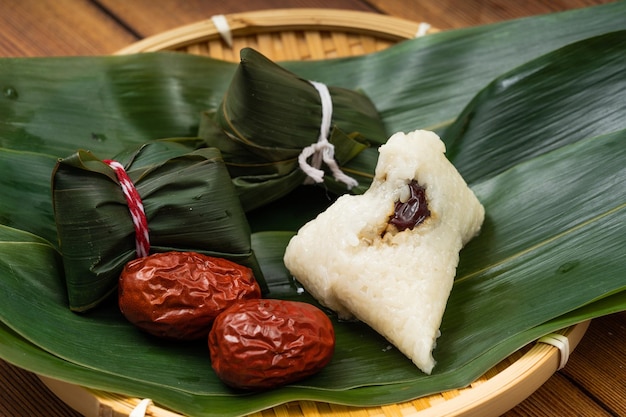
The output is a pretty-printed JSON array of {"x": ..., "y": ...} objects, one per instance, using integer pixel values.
[
  {"x": 135, "y": 207},
  {"x": 323, "y": 150}
]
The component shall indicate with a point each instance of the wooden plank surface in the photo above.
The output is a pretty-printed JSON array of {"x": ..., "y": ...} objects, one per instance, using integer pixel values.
[
  {"x": 452, "y": 14},
  {"x": 558, "y": 397},
  {"x": 61, "y": 27},
  {"x": 594, "y": 381},
  {"x": 599, "y": 364}
]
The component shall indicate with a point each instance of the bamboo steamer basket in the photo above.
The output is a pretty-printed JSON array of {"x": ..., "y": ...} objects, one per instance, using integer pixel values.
[
  {"x": 287, "y": 34},
  {"x": 308, "y": 34}
]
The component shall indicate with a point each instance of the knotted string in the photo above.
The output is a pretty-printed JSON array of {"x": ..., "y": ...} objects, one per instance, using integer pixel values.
[
  {"x": 135, "y": 206},
  {"x": 323, "y": 150}
]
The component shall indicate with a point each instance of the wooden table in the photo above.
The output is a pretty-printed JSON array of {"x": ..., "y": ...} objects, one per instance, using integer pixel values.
[{"x": 594, "y": 381}]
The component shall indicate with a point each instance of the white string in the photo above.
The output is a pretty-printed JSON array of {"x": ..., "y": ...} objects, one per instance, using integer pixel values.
[
  {"x": 323, "y": 150},
  {"x": 223, "y": 28},
  {"x": 141, "y": 408},
  {"x": 422, "y": 29},
  {"x": 561, "y": 342}
]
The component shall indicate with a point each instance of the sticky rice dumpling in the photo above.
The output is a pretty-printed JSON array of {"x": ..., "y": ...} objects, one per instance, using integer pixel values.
[{"x": 388, "y": 257}]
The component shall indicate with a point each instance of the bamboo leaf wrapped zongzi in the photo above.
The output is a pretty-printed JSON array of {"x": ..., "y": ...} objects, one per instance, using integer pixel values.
[
  {"x": 270, "y": 122},
  {"x": 189, "y": 201}
]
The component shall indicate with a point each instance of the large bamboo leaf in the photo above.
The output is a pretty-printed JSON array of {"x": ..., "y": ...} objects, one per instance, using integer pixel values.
[
  {"x": 26, "y": 191},
  {"x": 434, "y": 77},
  {"x": 28, "y": 356},
  {"x": 541, "y": 238},
  {"x": 103, "y": 340},
  {"x": 10, "y": 234},
  {"x": 518, "y": 283},
  {"x": 270, "y": 249},
  {"x": 557, "y": 99},
  {"x": 106, "y": 104},
  {"x": 20, "y": 352}
]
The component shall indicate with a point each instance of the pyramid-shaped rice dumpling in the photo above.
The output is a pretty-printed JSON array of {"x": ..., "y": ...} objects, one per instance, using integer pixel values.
[{"x": 388, "y": 257}]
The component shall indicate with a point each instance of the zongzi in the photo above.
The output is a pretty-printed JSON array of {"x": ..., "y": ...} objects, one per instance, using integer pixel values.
[
  {"x": 189, "y": 203},
  {"x": 388, "y": 257}
]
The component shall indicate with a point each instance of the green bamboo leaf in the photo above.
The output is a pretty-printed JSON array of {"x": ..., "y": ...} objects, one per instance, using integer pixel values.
[
  {"x": 189, "y": 201},
  {"x": 104, "y": 341},
  {"x": 435, "y": 77},
  {"x": 24, "y": 354},
  {"x": 107, "y": 104},
  {"x": 567, "y": 95},
  {"x": 526, "y": 256},
  {"x": 20, "y": 352},
  {"x": 26, "y": 191},
  {"x": 10, "y": 234},
  {"x": 125, "y": 340},
  {"x": 398, "y": 392},
  {"x": 289, "y": 213}
]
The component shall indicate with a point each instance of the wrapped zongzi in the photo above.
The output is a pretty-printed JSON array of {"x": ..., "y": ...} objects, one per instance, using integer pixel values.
[
  {"x": 188, "y": 199},
  {"x": 275, "y": 129}
]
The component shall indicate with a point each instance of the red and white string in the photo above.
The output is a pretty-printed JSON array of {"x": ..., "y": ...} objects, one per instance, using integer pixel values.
[{"x": 135, "y": 206}]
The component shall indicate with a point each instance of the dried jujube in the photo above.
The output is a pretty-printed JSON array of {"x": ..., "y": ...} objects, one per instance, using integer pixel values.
[
  {"x": 410, "y": 213},
  {"x": 265, "y": 343},
  {"x": 177, "y": 295}
]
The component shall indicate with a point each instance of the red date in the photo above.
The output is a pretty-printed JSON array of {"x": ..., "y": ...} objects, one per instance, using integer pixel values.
[
  {"x": 177, "y": 295},
  {"x": 414, "y": 211},
  {"x": 265, "y": 343}
]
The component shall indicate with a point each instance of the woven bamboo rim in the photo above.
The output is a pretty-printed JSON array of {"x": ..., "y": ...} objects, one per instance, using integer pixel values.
[
  {"x": 497, "y": 391},
  {"x": 305, "y": 34},
  {"x": 287, "y": 34}
]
